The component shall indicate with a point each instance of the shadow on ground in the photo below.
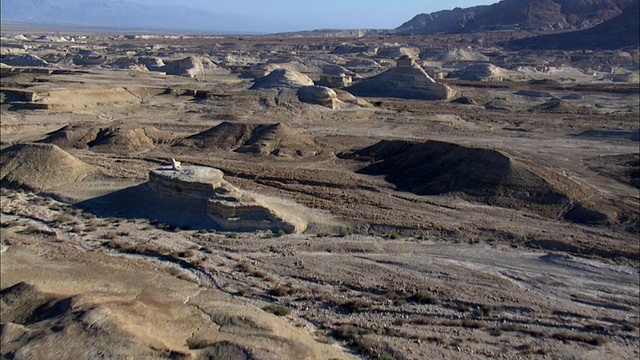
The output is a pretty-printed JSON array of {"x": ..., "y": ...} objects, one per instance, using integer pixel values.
[{"x": 139, "y": 202}]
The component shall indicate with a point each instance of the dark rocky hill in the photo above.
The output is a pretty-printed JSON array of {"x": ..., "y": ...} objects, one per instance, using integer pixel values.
[
  {"x": 617, "y": 33},
  {"x": 517, "y": 14}
]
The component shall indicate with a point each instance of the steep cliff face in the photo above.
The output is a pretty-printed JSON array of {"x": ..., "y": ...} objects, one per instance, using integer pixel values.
[
  {"x": 230, "y": 208},
  {"x": 619, "y": 32},
  {"x": 513, "y": 14}
]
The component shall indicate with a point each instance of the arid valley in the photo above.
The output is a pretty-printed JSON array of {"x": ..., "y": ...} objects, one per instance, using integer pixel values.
[{"x": 450, "y": 196}]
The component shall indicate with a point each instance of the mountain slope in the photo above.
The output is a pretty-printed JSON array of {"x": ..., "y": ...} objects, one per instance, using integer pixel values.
[
  {"x": 120, "y": 15},
  {"x": 619, "y": 32},
  {"x": 525, "y": 14}
]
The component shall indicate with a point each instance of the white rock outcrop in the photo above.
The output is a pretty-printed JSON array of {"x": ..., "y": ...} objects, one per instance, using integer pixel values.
[
  {"x": 281, "y": 79},
  {"x": 407, "y": 81}
]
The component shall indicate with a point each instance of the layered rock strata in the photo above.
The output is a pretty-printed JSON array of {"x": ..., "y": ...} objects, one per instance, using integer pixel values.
[{"x": 230, "y": 208}]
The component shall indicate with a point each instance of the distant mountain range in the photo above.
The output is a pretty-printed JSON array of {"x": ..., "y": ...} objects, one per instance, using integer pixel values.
[
  {"x": 616, "y": 33},
  {"x": 118, "y": 14},
  {"x": 517, "y": 14}
]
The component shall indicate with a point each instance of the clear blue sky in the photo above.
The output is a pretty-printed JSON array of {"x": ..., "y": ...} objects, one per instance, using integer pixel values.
[{"x": 289, "y": 15}]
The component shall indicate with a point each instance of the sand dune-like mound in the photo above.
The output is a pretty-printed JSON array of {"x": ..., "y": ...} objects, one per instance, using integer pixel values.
[
  {"x": 556, "y": 106},
  {"x": 39, "y": 167},
  {"x": 484, "y": 72},
  {"x": 268, "y": 139},
  {"x": 100, "y": 307},
  {"x": 624, "y": 167},
  {"x": 406, "y": 81},
  {"x": 489, "y": 176},
  {"x": 453, "y": 55},
  {"x": 24, "y": 60},
  {"x": 281, "y": 79},
  {"x": 191, "y": 66},
  {"x": 110, "y": 139}
]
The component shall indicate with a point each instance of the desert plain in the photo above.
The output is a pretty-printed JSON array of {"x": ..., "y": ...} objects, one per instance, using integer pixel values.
[{"x": 493, "y": 216}]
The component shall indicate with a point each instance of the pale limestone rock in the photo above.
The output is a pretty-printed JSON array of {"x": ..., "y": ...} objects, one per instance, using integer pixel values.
[
  {"x": 282, "y": 78},
  {"x": 407, "y": 81}
]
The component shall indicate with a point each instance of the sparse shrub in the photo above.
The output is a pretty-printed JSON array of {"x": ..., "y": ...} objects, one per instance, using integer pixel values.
[
  {"x": 566, "y": 336},
  {"x": 186, "y": 254},
  {"x": 525, "y": 348},
  {"x": 64, "y": 219},
  {"x": 280, "y": 291},
  {"x": 394, "y": 236},
  {"x": 174, "y": 272},
  {"x": 348, "y": 332},
  {"x": 77, "y": 228},
  {"x": 279, "y": 233},
  {"x": 321, "y": 337},
  {"x": 198, "y": 262},
  {"x": 356, "y": 306},
  {"x": 277, "y": 310},
  {"x": 472, "y": 324},
  {"x": 386, "y": 357},
  {"x": 232, "y": 235},
  {"x": 425, "y": 298},
  {"x": 31, "y": 230},
  {"x": 162, "y": 226},
  {"x": 343, "y": 232},
  {"x": 87, "y": 215},
  {"x": 437, "y": 339}
]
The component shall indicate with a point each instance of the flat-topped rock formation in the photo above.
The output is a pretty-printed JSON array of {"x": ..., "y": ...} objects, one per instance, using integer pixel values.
[
  {"x": 230, "y": 208},
  {"x": 407, "y": 81},
  {"x": 190, "y": 181}
]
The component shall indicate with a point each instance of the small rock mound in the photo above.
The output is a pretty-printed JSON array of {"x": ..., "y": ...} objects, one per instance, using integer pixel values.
[
  {"x": 556, "y": 106},
  {"x": 319, "y": 95},
  {"x": 454, "y": 55},
  {"x": 268, "y": 139},
  {"x": 489, "y": 176},
  {"x": 624, "y": 168},
  {"x": 24, "y": 60},
  {"x": 282, "y": 79},
  {"x": 112, "y": 139},
  {"x": 406, "y": 81},
  {"x": 191, "y": 66},
  {"x": 483, "y": 73},
  {"x": 39, "y": 167}
]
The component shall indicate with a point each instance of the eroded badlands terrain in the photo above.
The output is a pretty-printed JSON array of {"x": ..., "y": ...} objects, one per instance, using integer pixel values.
[{"x": 392, "y": 197}]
